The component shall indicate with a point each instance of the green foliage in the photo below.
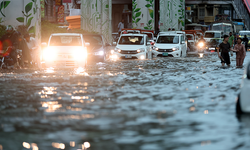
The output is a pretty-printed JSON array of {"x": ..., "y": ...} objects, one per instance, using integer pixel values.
[
  {"x": 136, "y": 13},
  {"x": 151, "y": 14},
  {"x": 3, "y": 4},
  {"x": 48, "y": 28},
  {"x": 2, "y": 30}
]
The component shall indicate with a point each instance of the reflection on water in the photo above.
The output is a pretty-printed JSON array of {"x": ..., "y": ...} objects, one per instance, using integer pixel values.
[
  {"x": 72, "y": 144},
  {"x": 51, "y": 106},
  {"x": 28, "y": 146},
  {"x": 58, "y": 145},
  {"x": 81, "y": 71},
  {"x": 49, "y": 70}
]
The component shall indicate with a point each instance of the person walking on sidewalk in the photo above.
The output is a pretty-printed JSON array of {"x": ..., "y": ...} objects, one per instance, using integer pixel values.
[
  {"x": 225, "y": 49},
  {"x": 240, "y": 53}
]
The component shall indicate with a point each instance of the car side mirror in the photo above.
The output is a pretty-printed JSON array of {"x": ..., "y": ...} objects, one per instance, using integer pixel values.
[
  {"x": 183, "y": 42},
  {"x": 114, "y": 43},
  {"x": 87, "y": 44},
  {"x": 148, "y": 43},
  {"x": 44, "y": 44}
]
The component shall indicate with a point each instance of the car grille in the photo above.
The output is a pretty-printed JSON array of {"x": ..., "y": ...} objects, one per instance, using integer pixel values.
[
  {"x": 65, "y": 56},
  {"x": 165, "y": 50},
  {"x": 128, "y": 52},
  {"x": 65, "y": 63}
]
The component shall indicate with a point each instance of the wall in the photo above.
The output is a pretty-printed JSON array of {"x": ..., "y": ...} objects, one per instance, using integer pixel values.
[
  {"x": 143, "y": 14},
  {"x": 172, "y": 14},
  {"x": 96, "y": 17},
  {"x": 22, "y": 12}
]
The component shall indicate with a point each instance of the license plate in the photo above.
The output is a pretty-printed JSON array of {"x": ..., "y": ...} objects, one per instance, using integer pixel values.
[
  {"x": 164, "y": 54},
  {"x": 128, "y": 56},
  {"x": 211, "y": 48}
]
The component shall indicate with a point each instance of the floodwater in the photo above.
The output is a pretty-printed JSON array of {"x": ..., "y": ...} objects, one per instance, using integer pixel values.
[{"x": 160, "y": 104}]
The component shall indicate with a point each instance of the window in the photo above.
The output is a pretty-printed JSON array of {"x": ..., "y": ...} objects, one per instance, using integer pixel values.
[
  {"x": 210, "y": 11},
  {"x": 93, "y": 39},
  {"x": 168, "y": 39},
  {"x": 201, "y": 12},
  {"x": 65, "y": 41},
  {"x": 212, "y": 35},
  {"x": 132, "y": 40}
]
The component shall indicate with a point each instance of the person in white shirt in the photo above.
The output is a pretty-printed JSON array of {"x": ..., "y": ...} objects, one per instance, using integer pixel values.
[
  {"x": 33, "y": 46},
  {"x": 120, "y": 26}
]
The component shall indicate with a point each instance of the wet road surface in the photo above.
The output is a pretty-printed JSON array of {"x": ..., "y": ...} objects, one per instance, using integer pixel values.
[{"x": 160, "y": 104}]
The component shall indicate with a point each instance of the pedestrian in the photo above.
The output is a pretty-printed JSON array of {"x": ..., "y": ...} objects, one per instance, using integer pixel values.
[
  {"x": 235, "y": 39},
  {"x": 225, "y": 49},
  {"x": 33, "y": 47},
  {"x": 239, "y": 48},
  {"x": 11, "y": 41},
  {"x": 120, "y": 26},
  {"x": 245, "y": 40},
  {"x": 231, "y": 41}
]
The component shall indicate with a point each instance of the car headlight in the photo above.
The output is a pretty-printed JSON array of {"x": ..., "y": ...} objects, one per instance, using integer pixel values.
[
  {"x": 117, "y": 50},
  {"x": 201, "y": 44},
  {"x": 99, "y": 53},
  {"x": 175, "y": 48},
  {"x": 140, "y": 50},
  {"x": 49, "y": 54},
  {"x": 156, "y": 48},
  {"x": 80, "y": 54}
]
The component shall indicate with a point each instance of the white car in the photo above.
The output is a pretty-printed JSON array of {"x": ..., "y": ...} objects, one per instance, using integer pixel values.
[
  {"x": 213, "y": 35},
  {"x": 65, "y": 50},
  {"x": 132, "y": 46},
  {"x": 243, "y": 102},
  {"x": 171, "y": 44}
]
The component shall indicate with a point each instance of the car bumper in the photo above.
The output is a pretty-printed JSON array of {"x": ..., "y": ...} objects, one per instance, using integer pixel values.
[
  {"x": 127, "y": 56},
  {"x": 60, "y": 63},
  {"x": 169, "y": 54}
]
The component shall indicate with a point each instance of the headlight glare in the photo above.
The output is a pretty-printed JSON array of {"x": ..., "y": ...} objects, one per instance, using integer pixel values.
[
  {"x": 49, "y": 54},
  {"x": 201, "y": 44},
  {"x": 175, "y": 48},
  {"x": 140, "y": 50}
]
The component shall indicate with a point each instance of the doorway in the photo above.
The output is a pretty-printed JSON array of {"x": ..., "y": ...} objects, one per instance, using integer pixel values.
[{"x": 121, "y": 10}]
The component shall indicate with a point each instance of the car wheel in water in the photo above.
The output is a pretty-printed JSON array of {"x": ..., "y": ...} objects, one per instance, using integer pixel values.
[{"x": 238, "y": 107}]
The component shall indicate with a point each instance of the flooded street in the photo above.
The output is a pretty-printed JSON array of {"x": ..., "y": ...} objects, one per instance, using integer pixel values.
[{"x": 160, "y": 104}]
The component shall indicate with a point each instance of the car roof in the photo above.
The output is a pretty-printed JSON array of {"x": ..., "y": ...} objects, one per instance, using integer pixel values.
[
  {"x": 244, "y": 31},
  {"x": 91, "y": 34},
  {"x": 74, "y": 34},
  {"x": 170, "y": 34},
  {"x": 131, "y": 34},
  {"x": 213, "y": 31}
]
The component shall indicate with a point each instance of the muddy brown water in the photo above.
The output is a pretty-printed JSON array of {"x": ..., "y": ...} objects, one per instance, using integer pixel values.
[{"x": 159, "y": 104}]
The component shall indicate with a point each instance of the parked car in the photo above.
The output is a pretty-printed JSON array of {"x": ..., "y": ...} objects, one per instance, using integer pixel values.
[
  {"x": 97, "y": 49},
  {"x": 171, "y": 44},
  {"x": 243, "y": 102},
  {"x": 132, "y": 46},
  {"x": 65, "y": 50}
]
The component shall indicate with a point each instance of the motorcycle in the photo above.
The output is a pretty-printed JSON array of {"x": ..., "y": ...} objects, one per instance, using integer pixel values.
[
  {"x": 6, "y": 60},
  {"x": 201, "y": 47}
]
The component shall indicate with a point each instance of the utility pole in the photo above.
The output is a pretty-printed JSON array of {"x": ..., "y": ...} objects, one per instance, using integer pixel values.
[{"x": 157, "y": 14}]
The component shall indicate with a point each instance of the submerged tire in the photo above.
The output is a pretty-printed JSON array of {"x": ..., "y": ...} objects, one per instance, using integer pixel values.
[{"x": 238, "y": 107}]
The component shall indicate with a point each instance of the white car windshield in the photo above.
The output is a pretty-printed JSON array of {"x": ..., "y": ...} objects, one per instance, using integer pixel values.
[
  {"x": 65, "y": 40},
  {"x": 131, "y": 40},
  {"x": 245, "y": 33},
  {"x": 168, "y": 39},
  {"x": 212, "y": 35}
]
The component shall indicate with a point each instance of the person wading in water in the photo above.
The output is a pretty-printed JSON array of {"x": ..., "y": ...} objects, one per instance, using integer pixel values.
[{"x": 225, "y": 49}]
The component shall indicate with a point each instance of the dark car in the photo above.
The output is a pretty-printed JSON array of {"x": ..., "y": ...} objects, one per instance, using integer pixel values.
[
  {"x": 97, "y": 50},
  {"x": 213, "y": 44}
]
